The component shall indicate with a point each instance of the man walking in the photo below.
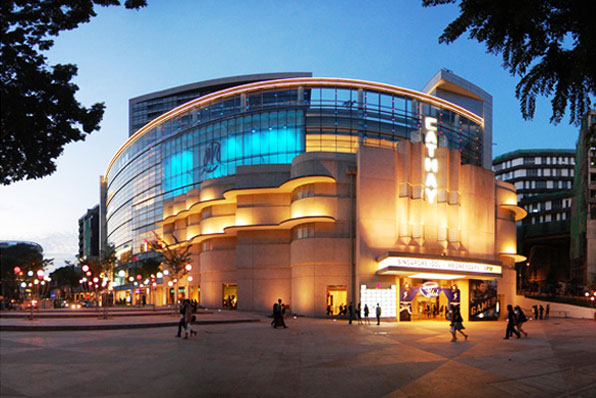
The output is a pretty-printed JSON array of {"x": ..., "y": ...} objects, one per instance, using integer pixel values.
[
  {"x": 378, "y": 314},
  {"x": 278, "y": 315},
  {"x": 351, "y": 312}
]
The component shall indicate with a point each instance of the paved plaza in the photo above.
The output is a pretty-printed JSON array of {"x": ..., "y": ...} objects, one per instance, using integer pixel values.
[{"x": 312, "y": 358}]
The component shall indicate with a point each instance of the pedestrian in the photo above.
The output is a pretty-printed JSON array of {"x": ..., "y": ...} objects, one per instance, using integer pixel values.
[
  {"x": 541, "y": 311},
  {"x": 351, "y": 312},
  {"x": 329, "y": 311},
  {"x": 546, "y": 314},
  {"x": 188, "y": 316},
  {"x": 359, "y": 314},
  {"x": 535, "y": 311},
  {"x": 511, "y": 323},
  {"x": 366, "y": 311},
  {"x": 181, "y": 320},
  {"x": 278, "y": 317},
  {"x": 274, "y": 315},
  {"x": 456, "y": 324},
  {"x": 378, "y": 314},
  {"x": 520, "y": 319}
]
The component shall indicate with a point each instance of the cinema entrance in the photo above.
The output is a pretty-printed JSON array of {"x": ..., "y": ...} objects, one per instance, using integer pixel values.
[{"x": 424, "y": 300}]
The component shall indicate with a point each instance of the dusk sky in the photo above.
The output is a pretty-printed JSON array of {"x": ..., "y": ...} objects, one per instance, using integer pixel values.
[{"x": 122, "y": 54}]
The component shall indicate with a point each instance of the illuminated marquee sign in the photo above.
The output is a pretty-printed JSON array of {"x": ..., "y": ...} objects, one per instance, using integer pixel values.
[
  {"x": 415, "y": 263},
  {"x": 431, "y": 164}
]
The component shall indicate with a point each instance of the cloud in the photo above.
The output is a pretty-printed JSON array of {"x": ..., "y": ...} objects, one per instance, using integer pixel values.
[{"x": 60, "y": 246}]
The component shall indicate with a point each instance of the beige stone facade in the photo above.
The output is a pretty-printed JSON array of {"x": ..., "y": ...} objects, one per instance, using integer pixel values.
[{"x": 288, "y": 231}]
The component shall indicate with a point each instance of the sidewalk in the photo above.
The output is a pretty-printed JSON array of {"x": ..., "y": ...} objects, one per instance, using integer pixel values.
[{"x": 312, "y": 358}]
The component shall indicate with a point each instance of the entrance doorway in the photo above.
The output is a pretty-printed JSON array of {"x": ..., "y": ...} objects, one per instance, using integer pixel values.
[
  {"x": 429, "y": 308},
  {"x": 422, "y": 299},
  {"x": 337, "y": 297},
  {"x": 230, "y": 295}
]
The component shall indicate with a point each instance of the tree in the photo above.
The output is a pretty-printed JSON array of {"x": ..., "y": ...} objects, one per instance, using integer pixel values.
[
  {"x": 66, "y": 279},
  {"x": 39, "y": 113},
  {"x": 27, "y": 258},
  {"x": 549, "y": 44},
  {"x": 108, "y": 261},
  {"x": 175, "y": 258}
]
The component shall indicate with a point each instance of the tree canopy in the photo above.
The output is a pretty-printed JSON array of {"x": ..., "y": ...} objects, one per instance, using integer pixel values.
[
  {"x": 26, "y": 257},
  {"x": 549, "y": 44},
  {"x": 39, "y": 113}
]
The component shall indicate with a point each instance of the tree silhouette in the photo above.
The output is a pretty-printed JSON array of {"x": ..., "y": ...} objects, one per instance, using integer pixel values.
[
  {"x": 549, "y": 44},
  {"x": 39, "y": 113}
]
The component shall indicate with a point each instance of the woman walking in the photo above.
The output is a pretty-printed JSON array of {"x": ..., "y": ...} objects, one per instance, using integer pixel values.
[
  {"x": 511, "y": 323},
  {"x": 520, "y": 318},
  {"x": 456, "y": 324}
]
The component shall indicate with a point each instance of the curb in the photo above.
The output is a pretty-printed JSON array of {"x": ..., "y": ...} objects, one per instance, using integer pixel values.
[
  {"x": 67, "y": 328},
  {"x": 93, "y": 315}
]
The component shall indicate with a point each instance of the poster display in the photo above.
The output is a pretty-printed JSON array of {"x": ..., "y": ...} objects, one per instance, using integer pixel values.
[{"x": 484, "y": 305}]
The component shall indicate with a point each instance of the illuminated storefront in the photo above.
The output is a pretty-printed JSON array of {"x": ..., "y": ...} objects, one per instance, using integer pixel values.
[{"x": 322, "y": 192}]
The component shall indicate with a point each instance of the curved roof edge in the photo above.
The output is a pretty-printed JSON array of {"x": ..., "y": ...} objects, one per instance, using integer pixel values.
[
  {"x": 217, "y": 84},
  {"x": 278, "y": 83}
]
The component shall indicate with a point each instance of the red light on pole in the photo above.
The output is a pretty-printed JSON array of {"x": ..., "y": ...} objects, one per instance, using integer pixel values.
[
  {"x": 17, "y": 269},
  {"x": 88, "y": 273},
  {"x": 139, "y": 276}
]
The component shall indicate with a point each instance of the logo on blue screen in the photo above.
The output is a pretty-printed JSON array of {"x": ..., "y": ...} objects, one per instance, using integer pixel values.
[{"x": 211, "y": 157}]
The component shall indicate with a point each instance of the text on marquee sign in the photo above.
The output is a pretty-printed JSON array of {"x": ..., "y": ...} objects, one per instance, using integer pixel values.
[{"x": 442, "y": 265}]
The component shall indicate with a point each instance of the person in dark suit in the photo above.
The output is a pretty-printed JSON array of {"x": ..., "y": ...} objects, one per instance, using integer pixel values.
[
  {"x": 511, "y": 323},
  {"x": 278, "y": 315},
  {"x": 351, "y": 312}
]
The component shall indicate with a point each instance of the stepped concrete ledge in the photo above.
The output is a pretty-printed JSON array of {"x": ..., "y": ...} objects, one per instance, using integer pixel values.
[{"x": 98, "y": 320}]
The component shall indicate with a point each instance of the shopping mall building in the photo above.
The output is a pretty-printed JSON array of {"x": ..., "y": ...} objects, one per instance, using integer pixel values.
[{"x": 321, "y": 191}]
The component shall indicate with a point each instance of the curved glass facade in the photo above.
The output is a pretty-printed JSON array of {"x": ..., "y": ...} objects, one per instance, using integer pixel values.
[{"x": 264, "y": 123}]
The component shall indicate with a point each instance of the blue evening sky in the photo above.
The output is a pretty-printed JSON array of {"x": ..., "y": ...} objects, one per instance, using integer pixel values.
[{"x": 123, "y": 54}]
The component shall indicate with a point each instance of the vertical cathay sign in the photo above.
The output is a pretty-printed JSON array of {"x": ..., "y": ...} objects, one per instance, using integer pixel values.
[{"x": 431, "y": 164}]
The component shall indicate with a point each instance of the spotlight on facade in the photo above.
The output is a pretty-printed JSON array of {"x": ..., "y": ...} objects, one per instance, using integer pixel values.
[
  {"x": 188, "y": 267},
  {"x": 121, "y": 273},
  {"x": 30, "y": 273},
  {"x": 85, "y": 268},
  {"x": 166, "y": 272},
  {"x": 190, "y": 278},
  {"x": 160, "y": 274}
]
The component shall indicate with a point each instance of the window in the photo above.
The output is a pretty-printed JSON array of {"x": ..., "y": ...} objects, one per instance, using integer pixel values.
[
  {"x": 529, "y": 160},
  {"x": 304, "y": 231},
  {"x": 540, "y": 184},
  {"x": 304, "y": 191},
  {"x": 557, "y": 203},
  {"x": 532, "y": 172}
]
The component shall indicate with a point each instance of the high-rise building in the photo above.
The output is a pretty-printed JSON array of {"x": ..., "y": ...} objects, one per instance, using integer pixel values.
[
  {"x": 321, "y": 191},
  {"x": 89, "y": 233},
  {"x": 583, "y": 221},
  {"x": 543, "y": 180}
]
